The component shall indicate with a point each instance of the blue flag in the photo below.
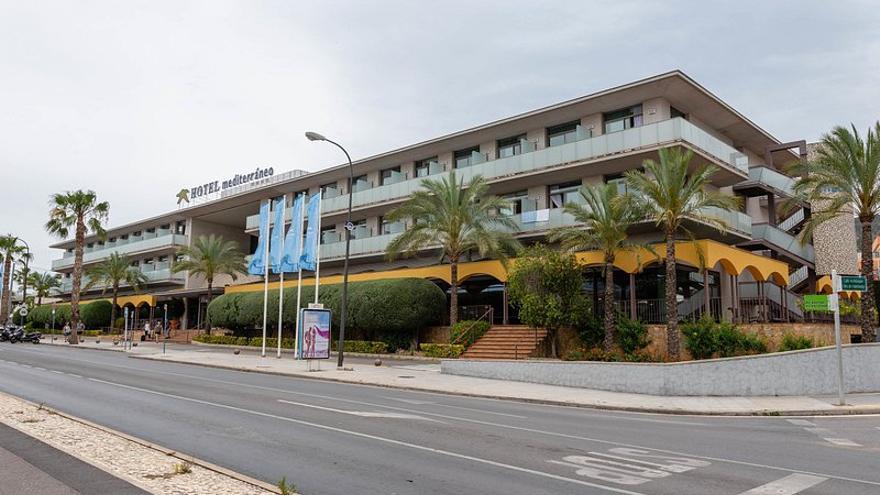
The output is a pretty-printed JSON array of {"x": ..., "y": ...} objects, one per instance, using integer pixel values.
[
  {"x": 294, "y": 241},
  {"x": 309, "y": 258},
  {"x": 258, "y": 262},
  {"x": 275, "y": 250}
]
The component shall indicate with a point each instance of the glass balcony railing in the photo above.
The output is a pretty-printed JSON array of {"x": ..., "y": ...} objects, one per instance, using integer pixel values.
[
  {"x": 132, "y": 245},
  {"x": 783, "y": 240},
  {"x": 158, "y": 275},
  {"x": 772, "y": 178}
]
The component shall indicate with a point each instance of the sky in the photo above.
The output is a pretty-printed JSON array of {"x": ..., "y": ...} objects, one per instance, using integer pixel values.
[{"x": 138, "y": 99}]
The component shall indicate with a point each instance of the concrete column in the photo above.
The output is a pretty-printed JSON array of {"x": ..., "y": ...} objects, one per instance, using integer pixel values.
[
  {"x": 725, "y": 283},
  {"x": 632, "y": 297},
  {"x": 184, "y": 320},
  {"x": 505, "y": 316},
  {"x": 771, "y": 209},
  {"x": 706, "y": 293}
]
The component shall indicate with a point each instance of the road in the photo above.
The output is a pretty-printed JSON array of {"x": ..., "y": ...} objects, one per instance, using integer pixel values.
[{"x": 334, "y": 438}]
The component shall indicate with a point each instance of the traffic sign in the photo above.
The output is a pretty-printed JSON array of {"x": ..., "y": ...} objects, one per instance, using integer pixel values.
[
  {"x": 853, "y": 282},
  {"x": 816, "y": 303}
]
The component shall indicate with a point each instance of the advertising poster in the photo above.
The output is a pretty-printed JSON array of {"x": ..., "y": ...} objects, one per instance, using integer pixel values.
[{"x": 316, "y": 334}]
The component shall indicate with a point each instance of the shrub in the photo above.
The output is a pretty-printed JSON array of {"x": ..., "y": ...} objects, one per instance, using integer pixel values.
[
  {"x": 631, "y": 335},
  {"x": 392, "y": 311},
  {"x": 475, "y": 330},
  {"x": 442, "y": 350},
  {"x": 592, "y": 354},
  {"x": 700, "y": 338},
  {"x": 704, "y": 338},
  {"x": 363, "y": 346},
  {"x": 792, "y": 342},
  {"x": 94, "y": 314},
  {"x": 590, "y": 331}
]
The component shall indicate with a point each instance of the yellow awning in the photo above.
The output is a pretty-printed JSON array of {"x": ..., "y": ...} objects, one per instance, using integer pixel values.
[{"x": 824, "y": 286}]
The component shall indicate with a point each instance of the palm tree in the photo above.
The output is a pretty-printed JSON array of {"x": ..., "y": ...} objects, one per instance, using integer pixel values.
[
  {"x": 209, "y": 257},
  {"x": 669, "y": 194},
  {"x": 81, "y": 211},
  {"x": 844, "y": 176},
  {"x": 458, "y": 217},
  {"x": 43, "y": 284},
  {"x": 606, "y": 217},
  {"x": 112, "y": 272},
  {"x": 10, "y": 250}
]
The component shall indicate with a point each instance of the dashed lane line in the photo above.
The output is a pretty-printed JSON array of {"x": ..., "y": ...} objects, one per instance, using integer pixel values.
[
  {"x": 843, "y": 442},
  {"x": 790, "y": 485},
  {"x": 377, "y": 438},
  {"x": 801, "y": 422}
]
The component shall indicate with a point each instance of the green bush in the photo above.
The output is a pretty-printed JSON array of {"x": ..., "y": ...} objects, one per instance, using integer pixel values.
[
  {"x": 704, "y": 338},
  {"x": 392, "y": 311},
  {"x": 94, "y": 314},
  {"x": 221, "y": 339},
  {"x": 442, "y": 350},
  {"x": 792, "y": 342},
  {"x": 592, "y": 354},
  {"x": 700, "y": 338},
  {"x": 590, "y": 331},
  {"x": 363, "y": 346},
  {"x": 631, "y": 335},
  {"x": 474, "y": 329}
]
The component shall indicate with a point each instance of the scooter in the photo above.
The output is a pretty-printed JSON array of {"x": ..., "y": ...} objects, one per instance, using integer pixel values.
[
  {"x": 19, "y": 335},
  {"x": 5, "y": 334}
]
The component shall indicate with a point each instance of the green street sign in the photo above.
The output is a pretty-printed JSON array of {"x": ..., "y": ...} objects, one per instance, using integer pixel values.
[
  {"x": 853, "y": 282},
  {"x": 816, "y": 303}
]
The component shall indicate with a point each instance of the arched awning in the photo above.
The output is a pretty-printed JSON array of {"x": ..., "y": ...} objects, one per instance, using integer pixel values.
[{"x": 824, "y": 286}]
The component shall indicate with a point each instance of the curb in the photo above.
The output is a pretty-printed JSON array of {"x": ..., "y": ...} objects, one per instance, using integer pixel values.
[
  {"x": 396, "y": 357},
  {"x": 171, "y": 453},
  {"x": 550, "y": 402}
]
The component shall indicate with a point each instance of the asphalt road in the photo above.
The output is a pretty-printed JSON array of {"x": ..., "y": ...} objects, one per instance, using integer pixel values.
[{"x": 333, "y": 438}]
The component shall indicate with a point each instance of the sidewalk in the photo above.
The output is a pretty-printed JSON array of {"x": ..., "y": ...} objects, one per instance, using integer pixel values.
[{"x": 427, "y": 377}]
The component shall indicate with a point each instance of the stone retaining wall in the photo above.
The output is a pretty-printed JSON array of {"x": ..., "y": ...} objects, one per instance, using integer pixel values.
[{"x": 807, "y": 372}]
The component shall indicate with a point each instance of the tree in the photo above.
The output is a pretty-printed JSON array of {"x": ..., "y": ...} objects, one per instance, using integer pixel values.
[
  {"x": 457, "y": 217},
  {"x": 605, "y": 217},
  {"x": 844, "y": 176},
  {"x": 209, "y": 257},
  {"x": 113, "y": 272},
  {"x": 547, "y": 287},
  {"x": 10, "y": 250},
  {"x": 44, "y": 284},
  {"x": 670, "y": 193},
  {"x": 81, "y": 211}
]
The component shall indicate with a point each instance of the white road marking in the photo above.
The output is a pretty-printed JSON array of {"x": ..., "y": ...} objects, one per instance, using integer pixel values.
[
  {"x": 818, "y": 431},
  {"x": 498, "y": 425},
  {"x": 57, "y": 372},
  {"x": 790, "y": 485},
  {"x": 363, "y": 414},
  {"x": 75, "y": 375},
  {"x": 843, "y": 442},
  {"x": 800, "y": 422},
  {"x": 429, "y": 403},
  {"x": 377, "y": 438}
]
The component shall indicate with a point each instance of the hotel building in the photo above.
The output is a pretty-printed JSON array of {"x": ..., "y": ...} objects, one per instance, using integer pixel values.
[{"x": 756, "y": 266}]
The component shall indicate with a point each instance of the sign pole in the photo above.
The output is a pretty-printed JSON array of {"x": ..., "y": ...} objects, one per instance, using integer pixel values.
[
  {"x": 318, "y": 244},
  {"x": 841, "y": 401},
  {"x": 266, "y": 279}
]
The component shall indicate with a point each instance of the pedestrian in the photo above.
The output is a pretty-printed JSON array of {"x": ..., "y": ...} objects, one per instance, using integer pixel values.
[
  {"x": 66, "y": 330},
  {"x": 146, "y": 330}
]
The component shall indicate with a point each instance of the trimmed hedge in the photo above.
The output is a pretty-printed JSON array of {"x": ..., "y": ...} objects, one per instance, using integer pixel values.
[
  {"x": 442, "y": 350},
  {"x": 359, "y": 346},
  {"x": 391, "y": 311},
  {"x": 363, "y": 346},
  {"x": 95, "y": 314}
]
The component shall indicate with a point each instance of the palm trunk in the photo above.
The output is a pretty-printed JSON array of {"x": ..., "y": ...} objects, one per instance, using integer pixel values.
[
  {"x": 4, "y": 301},
  {"x": 868, "y": 316},
  {"x": 113, "y": 309},
  {"x": 77, "y": 279},
  {"x": 453, "y": 294},
  {"x": 39, "y": 300},
  {"x": 210, "y": 298},
  {"x": 609, "y": 305},
  {"x": 673, "y": 339}
]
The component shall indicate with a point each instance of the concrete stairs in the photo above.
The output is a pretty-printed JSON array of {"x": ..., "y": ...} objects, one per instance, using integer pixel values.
[{"x": 506, "y": 342}]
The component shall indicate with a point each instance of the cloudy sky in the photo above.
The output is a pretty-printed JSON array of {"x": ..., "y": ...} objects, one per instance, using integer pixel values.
[{"x": 136, "y": 99}]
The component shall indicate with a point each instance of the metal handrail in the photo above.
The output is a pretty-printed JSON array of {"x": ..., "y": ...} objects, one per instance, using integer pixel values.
[{"x": 471, "y": 327}]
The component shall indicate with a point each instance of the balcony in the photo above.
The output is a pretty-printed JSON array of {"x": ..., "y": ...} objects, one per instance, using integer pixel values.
[
  {"x": 779, "y": 239},
  {"x": 763, "y": 181},
  {"x": 147, "y": 242},
  {"x": 160, "y": 273}
]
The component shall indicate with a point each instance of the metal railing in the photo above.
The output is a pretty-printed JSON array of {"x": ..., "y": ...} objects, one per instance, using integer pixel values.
[
  {"x": 466, "y": 334},
  {"x": 794, "y": 219}
]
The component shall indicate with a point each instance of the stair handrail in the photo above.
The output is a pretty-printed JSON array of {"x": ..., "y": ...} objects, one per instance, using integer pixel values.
[
  {"x": 472, "y": 325},
  {"x": 795, "y": 218}
]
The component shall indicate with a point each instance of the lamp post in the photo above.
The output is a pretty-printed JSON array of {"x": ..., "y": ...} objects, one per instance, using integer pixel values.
[{"x": 314, "y": 136}]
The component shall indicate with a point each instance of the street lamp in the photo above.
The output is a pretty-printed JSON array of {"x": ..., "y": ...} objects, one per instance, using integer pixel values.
[{"x": 314, "y": 136}]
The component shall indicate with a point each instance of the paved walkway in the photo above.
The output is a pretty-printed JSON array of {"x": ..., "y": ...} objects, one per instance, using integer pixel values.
[{"x": 426, "y": 377}]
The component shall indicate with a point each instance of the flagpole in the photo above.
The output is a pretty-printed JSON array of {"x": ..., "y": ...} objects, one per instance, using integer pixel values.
[
  {"x": 318, "y": 244},
  {"x": 266, "y": 278},
  {"x": 299, "y": 283},
  {"x": 281, "y": 280}
]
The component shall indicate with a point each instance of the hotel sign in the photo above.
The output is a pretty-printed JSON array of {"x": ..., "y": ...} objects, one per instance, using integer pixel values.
[{"x": 214, "y": 187}]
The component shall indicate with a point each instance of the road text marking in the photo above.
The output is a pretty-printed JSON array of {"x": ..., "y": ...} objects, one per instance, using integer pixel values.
[{"x": 790, "y": 485}]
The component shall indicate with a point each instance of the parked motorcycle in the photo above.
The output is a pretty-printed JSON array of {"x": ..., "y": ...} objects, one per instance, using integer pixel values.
[{"x": 19, "y": 335}]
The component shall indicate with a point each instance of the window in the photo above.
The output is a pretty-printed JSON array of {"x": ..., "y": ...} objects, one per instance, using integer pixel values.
[
  {"x": 563, "y": 133},
  {"x": 330, "y": 190},
  {"x": 562, "y": 194},
  {"x": 162, "y": 259},
  {"x": 180, "y": 227},
  {"x": 391, "y": 176},
  {"x": 360, "y": 229},
  {"x": 361, "y": 183},
  {"x": 165, "y": 227},
  {"x": 136, "y": 233},
  {"x": 151, "y": 230},
  {"x": 510, "y": 146},
  {"x": 112, "y": 239},
  {"x": 386, "y": 227},
  {"x": 90, "y": 245},
  {"x": 674, "y": 112},
  {"x": 123, "y": 237},
  {"x": 428, "y": 166},
  {"x": 329, "y": 235},
  {"x": 626, "y": 118},
  {"x": 517, "y": 200},
  {"x": 619, "y": 180},
  {"x": 466, "y": 157}
]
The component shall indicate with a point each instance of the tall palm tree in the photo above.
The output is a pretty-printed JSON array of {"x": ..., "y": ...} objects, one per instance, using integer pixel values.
[
  {"x": 113, "y": 272},
  {"x": 211, "y": 256},
  {"x": 43, "y": 284},
  {"x": 670, "y": 192},
  {"x": 605, "y": 217},
  {"x": 81, "y": 211},
  {"x": 844, "y": 176},
  {"x": 10, "y": 250},
  {"x": 457, "y": 217}
]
